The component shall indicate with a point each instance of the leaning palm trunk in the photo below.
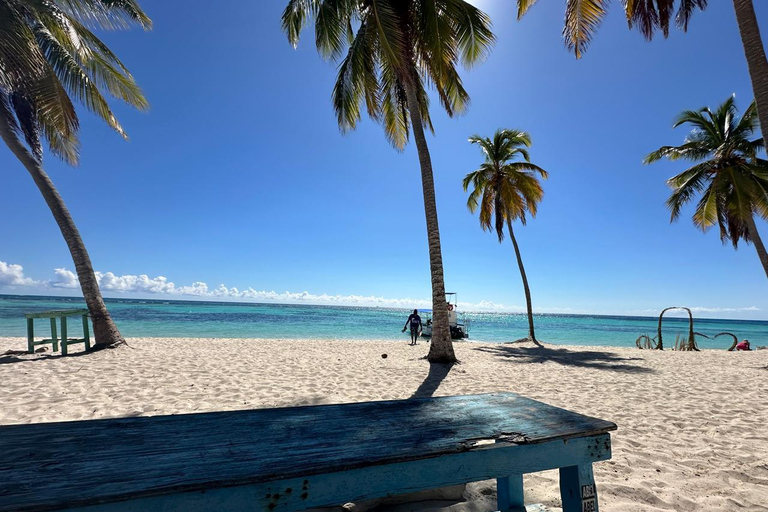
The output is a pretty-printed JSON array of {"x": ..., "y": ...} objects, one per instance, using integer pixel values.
[
  {"x": 759, "y": 247},
  {"x": 104, "y": 330},
  {"x": 531, "y": 333},
  {"x": 441, "y": 350},
  {"x": 756, "y": 62}
]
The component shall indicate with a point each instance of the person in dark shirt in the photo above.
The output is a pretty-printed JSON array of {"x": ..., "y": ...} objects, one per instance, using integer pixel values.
[{"x": 414, "y": 321}]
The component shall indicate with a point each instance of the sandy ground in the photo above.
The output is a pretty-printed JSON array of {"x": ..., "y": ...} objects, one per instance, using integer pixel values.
[{"x": 693, "y": 427}]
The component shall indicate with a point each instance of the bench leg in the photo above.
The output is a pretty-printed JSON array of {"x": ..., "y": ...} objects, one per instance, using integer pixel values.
[
  {"x": 86, "y": 334},
  {"x": 63, "y": 335},
  {"x": 54, "y": 338},
  {"x": 31, "y": 335},
  {"x": 577, "y": 489},
  {"x": 509, "y": 494}
]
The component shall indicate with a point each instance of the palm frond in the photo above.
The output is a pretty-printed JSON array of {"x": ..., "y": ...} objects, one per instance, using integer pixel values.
[
  {"x": 94, "y": 58},
  {"x": 693, "y": 151},
  {"x": 685, "y": 11},
  {"x": 75, "y": 80},
  {"x": 706, "y": 214},
  {"x": 523, "y": 6},
  {"x": 522, "y": 167},
  {"x": 643, "y": 15},
  {"x": 333, "y": 17},
  {"x": 357, "y": 81},
  {"x": 392, "y": 39},
  {"x": 107, "y": 14},
  {"x": 295, "y": 17},
  {"x": 472, "y": 29},
  {"x": 582, "y": 19},
  {"x": 8, "y": 117},
  {"x": 26, "y": 116},
  {"x": 395, "y": 118},
  {"x": 485, "y": 145}
]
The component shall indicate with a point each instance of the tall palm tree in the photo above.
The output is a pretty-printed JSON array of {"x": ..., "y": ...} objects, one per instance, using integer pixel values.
[
  {"x": 393, "y": 49},
  {"x": 505, "y": 190},
  {"x": 731, "y": 179},
  {"x": 48, "y": 56},
  {"x": 583, "y": 17}
]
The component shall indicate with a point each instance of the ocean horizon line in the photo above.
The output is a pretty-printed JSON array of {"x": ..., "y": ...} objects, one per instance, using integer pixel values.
[{"x": 673, "y": 314}]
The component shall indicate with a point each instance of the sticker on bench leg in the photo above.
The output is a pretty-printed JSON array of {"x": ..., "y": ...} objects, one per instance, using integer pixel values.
[{"x": 588, "y": 498}]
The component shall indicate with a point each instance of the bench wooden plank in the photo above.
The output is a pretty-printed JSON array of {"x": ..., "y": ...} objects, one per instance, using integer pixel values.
[
  {"x": 295, "y": 494},
  {"x": 46, "y": 464},
  {"x": 57, "y": 313}
]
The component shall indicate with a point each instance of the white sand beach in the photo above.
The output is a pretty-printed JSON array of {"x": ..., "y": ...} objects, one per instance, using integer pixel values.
[{"x": 692, "y": 432}]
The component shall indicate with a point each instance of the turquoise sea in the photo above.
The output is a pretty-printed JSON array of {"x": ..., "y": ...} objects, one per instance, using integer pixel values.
[{"x": 191, "y": 319}]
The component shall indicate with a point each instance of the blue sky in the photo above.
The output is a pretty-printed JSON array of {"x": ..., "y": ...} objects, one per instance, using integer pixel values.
[{"x": 238, "y": 175}]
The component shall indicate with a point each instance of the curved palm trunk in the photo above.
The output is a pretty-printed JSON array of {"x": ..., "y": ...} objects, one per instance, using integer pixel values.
[
  {"x": 441, "y": 350},
  {"x": 759, "y": 247},
  {"x": 531, "y": 333},
  {"x": 104, "y": 330},
  {"x": 756, "y": 61}
]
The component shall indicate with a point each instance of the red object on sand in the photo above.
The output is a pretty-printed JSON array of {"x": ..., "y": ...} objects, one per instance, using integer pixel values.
[{"x": 744, "y": 345}]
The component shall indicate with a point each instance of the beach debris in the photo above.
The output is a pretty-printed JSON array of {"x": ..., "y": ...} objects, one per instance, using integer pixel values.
[
  {"x": 735, "y": 339},
  {"x": 682, "y": 343},
  {"x": 384, "y": 356},
  {"x": 646, "y": 342},
  {"x": 691, "y": 335}
]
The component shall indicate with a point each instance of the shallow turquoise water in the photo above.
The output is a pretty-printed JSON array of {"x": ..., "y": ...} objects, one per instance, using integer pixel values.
[{"x": 185, "y": 319}]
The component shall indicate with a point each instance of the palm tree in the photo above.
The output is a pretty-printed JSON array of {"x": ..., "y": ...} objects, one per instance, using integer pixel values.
[
  {"x": 393, "y": 49},
  {"x": 48, "y": 56},
  {"x": 731, "y": 179},
  {"x": 583, "y": 17},
  {"x": 505, "y": 190}
]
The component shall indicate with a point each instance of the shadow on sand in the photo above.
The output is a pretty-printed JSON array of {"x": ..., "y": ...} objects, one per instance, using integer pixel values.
[
  {"x": 565, "y": 357},
  {"x": 14, "y": 356},
  {"x": 437, "y": 372}
]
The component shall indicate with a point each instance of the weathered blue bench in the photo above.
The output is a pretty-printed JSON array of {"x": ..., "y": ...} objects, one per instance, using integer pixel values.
[{"x": 285, "y": 460}]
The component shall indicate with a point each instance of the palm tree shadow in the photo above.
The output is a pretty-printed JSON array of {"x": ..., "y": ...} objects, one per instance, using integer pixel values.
[
  {"x": 19, "y": 356},
  {"x": 437, "y": 372},
  {"x": 566, "y": 357}
]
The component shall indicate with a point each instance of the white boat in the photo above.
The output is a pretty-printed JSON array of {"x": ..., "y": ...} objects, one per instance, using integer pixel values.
[{"x": 459, "y": 326}]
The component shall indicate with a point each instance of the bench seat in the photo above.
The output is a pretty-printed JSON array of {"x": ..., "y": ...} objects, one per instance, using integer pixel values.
[{"x": 288, "y": 459}]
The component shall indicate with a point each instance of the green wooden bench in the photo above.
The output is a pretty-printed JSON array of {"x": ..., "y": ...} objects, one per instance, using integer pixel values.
[{"x": 54, "y": 340}]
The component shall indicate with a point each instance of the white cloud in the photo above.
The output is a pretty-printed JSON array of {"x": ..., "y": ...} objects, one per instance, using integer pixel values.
[
  {"x": 13, "y": 275},
  {"x": 699, "y": 309},
  {"x": 64, "y": 279},
  {"x": 136, "y": 284}
]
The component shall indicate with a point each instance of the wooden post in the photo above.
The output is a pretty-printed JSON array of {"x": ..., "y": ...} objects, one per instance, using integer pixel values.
[
  {"x": 64, "y": 335},
  {"x": 54, "y": 337},
  {"x": 577, "y": 488},
  {"x": 86, "y": 334},
  {"x": 31, "y": 335},
  {"x": 509, "y": 492}
]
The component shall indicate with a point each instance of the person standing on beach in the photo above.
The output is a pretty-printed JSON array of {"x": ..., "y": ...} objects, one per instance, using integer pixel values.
[{"x": 414, "y": 320}]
